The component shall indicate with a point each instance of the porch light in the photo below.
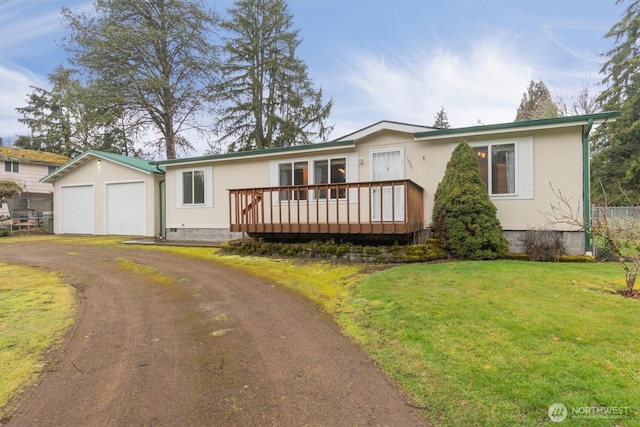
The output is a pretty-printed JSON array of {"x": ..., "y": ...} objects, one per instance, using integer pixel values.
[{"x": 99, "y": 162}]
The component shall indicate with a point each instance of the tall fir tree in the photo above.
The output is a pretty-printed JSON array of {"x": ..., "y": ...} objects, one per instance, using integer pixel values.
[
  {"x": 67, "y": 119},
  {"x": 464, "y": 218},
  {"x": 441, "y": 119},
  {"x": 536, "y": 103},
  {"x": 615, "y": 169},
  {"x": 153, "y": 58},
  {"x": 265, "y": 95}
]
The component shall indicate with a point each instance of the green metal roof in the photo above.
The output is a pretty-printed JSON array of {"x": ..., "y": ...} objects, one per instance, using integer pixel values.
[
  {"x": 501, "y": 127},
  {"x": 260, "y": 152},
  {"x": 552, "y": 122},
  {"x": 137, "y": 163},
  {"x": 133, "y": 162}
]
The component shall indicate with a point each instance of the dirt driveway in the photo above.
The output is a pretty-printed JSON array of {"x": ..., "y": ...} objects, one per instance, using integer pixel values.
[{"x": 210, "y": 347}]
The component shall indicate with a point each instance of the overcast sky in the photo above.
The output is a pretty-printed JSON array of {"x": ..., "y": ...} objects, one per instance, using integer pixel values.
[{"x": 398, "y": 60}]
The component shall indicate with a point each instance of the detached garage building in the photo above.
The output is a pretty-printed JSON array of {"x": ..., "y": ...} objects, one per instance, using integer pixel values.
[{"x": 107, "y": 194}]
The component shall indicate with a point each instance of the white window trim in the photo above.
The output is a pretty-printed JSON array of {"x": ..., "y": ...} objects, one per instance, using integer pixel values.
[
  {"x": 523, "y": 152},
  {"x": 208, "y": 188},
  {"x": 12, "y": 166},
  {"x": 386, "y": 150},
  {"x": 352, "y": 172},
  {"x": 329, "y": 160}
]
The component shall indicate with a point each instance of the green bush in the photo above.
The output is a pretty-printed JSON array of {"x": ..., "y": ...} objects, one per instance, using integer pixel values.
[
  {"x": 346, "y": 251},
  {"x": 464, "y": 218}
]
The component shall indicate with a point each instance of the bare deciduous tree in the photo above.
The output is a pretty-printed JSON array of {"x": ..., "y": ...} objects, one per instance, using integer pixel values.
[{"x": 620, "y": 234}]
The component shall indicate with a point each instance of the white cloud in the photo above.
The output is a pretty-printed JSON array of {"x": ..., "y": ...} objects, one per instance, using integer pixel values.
[
  {"x": 15, "y": 85},
  {"x": 485, "y": 83},
  {"x": 24, "y": 31}
]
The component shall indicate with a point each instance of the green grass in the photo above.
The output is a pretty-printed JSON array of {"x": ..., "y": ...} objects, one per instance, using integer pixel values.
[
  {"x": 496, "y": 343},
  {"x": 477, "y": 343},
  {"x": 36, "y": 309}
]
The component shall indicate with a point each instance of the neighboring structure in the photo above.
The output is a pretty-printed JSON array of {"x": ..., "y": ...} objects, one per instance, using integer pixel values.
[
  {"x": 107, "y": 194},
  {"x": 26, "y": 168},
  {"x": 379, "y": 182},
  {"x": 375, "y": 184}
]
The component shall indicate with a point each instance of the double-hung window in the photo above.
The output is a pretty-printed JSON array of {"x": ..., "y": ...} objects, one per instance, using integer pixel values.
[
  {"x": 193, "y": 187},
  {"x": 497, "y": 167},
  {"x": 10, "y": 166},
  {"x": 331, "y": 171}
]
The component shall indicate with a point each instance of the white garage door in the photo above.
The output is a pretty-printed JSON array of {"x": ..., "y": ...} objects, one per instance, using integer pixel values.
[
  {"x": 126, "y": 209},
  {"x": 77, "y": 210}
]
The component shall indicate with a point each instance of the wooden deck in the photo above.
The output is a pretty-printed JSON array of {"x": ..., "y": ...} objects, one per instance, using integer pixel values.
[{"x": 387, "y": 210}]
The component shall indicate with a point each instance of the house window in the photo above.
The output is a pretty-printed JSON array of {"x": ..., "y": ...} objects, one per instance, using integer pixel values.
[
  {"x": 497, "y": 167},
  {"x": 290, "y": 174},
  {"x": 331, "y": 171},
  {"x": 52, "y": 169},
  {"x": 11, "y": 166},
  {"x": 193, "y": 187}
]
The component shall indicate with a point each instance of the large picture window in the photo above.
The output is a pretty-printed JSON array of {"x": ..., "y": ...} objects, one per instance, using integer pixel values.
[
  {"x": 193, "y": 187},
  {"x": 497, "y": 167}
]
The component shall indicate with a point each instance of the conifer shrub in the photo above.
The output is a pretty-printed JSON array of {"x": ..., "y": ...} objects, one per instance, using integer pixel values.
[{"x": 464, "y": 218}]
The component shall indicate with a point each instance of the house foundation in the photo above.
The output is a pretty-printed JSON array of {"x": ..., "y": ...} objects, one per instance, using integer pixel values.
[
  {"x": 202, "y": 234},
  {"x": 573, "y": 241}
]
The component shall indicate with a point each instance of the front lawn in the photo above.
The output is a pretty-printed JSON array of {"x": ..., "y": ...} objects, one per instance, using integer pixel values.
[{"x": 496, "y": 343}]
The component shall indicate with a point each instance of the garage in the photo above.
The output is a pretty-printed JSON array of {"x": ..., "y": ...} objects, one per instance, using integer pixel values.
[
  {"x": 103, "y": 193},
  {"x": 77, "y": 210},
  {"x": 126, "y": 209}
]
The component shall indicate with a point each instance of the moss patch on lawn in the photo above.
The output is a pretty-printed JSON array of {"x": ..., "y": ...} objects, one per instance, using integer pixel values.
[{"x": 36, "y": 309}]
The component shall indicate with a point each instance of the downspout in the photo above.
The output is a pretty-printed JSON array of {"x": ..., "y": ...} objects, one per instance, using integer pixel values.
[
  {"x": 162, "y": 225},
  {"x": 586, "y": 184}
]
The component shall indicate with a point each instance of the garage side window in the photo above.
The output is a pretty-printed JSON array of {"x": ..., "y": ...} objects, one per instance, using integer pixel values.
[{"x": 193, "y": 187}]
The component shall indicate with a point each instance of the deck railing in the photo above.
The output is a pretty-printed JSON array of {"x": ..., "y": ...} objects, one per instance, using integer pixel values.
[{"x": 362, "y": 208}]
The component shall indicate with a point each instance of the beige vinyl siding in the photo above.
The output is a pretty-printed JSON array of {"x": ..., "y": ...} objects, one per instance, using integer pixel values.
[
  {"x": 556, "y": 157},
  {"x": 100, "y": 175},
  {"x": 226, "y": 175}
]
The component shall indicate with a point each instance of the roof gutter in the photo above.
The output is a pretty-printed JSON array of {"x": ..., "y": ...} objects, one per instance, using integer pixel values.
[
  {"x": 523, "y": 126},
  {"x": 586, "y": 185}
]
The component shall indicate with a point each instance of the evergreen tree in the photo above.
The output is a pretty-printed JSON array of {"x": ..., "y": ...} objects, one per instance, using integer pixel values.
[
  {"x": 536, "y": 103},
  {"x": 616, "y": 164},
  {"x": 26, "y": 142},
  {"x": 464, "y": 218},
  {"x": 266, "y": 97},
  {"x": 67, "y": 119},
  {"x": 151, "y": 58},
  {"x": 441, "y": 120}
]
